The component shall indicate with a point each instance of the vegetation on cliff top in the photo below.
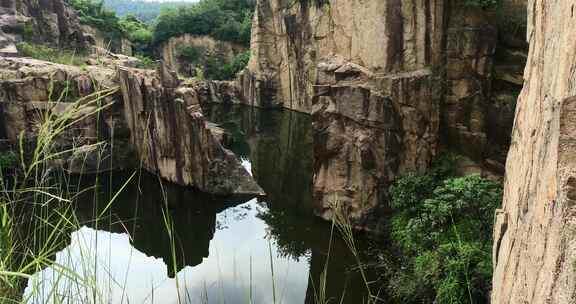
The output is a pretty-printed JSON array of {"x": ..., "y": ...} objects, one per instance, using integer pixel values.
[
  {"x": 442, "y": 228},
  {"x": 212, "y": 65},
  {"x": 227, "y": 20}
]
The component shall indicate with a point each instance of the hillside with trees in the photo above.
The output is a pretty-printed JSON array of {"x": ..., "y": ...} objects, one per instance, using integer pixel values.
[{"x": 146, "y": 11}]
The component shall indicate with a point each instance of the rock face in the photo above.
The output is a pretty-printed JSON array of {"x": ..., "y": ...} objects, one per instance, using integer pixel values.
[
  {"x": 534, "y": 235},
  {"x": 387, "y": 83},
  {"x": 152, "y": 117},
  {"x": 171, "y": 136},
  {"x": 31, "y": 89},
  {"x": 170, "y": 51},
  {"x": 9, "y": 27},
  {"x": 51, "y": 21},
  {"x": 367, "y": 128}
]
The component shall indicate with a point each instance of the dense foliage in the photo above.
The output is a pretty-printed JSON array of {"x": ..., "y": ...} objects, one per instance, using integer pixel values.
[
  {"x": 227, "y": 20},
  {"x": 94, "y": 13},
  {"x": 442, "y": 228},
  {"x": 138, "y": 32},
  {"x": 146, "y": 11},
  {"x": 483, "y": 3},
  {"x": 213, "y": 65}
]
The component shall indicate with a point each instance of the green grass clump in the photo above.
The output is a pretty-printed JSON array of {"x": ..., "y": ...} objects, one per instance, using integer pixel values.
[
  {"x": 46, "y": 53},
  {"x": 442, "y": 228}
]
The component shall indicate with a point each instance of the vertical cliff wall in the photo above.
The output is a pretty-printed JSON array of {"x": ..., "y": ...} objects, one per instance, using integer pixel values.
[
  {"x": 172, "y": 138},
  {"x": 535, "y": 231},
  {"x": 388, "y": 83}
]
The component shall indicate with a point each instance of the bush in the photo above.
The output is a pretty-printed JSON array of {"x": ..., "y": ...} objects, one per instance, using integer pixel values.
[
  {"x": 138, "y": 32},
  {"x": 442, "y": 228},
  {"x": 93, "y": 12},
  {"x": 147, "y": 63},
  {"x": 213, "y": 65},
  {"x": 191, "y": 54},
  {"x": 42, "y": 52}
]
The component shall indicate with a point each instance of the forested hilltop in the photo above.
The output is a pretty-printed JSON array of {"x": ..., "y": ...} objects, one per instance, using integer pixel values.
[{"x": 145, "y": 11}]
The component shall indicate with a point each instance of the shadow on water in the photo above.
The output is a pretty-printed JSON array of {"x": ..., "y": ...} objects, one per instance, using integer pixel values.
[
  {"x": 140, "y": 213},
  {"x": 232, "y": 250}
]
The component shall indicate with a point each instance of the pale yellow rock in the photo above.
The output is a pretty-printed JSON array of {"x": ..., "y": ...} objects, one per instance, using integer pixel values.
[{"x": 535, "y": 231}]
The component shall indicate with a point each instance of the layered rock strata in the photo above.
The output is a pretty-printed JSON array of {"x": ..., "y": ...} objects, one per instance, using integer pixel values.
[
  {"x": 367, "y": 128},
  {"x": 387, "y": 83},
  {"x": 172, "y": 138},
  {"x": 535, "y": 231},
  {"x": 52, "y": 21}
]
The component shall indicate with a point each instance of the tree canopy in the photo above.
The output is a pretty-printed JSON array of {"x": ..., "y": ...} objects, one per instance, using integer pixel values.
[{"x": 227, "y": 20}]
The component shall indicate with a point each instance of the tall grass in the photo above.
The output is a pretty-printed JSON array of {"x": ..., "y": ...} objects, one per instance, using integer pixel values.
[{"x": 36, "y": 208}]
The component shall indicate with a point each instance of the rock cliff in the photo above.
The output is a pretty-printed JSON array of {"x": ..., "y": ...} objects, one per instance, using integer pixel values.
[
  {"x": 151, "y": 116},
  {"x": 388, "y": 84},
  {"x": 534, "y": 234},
  {"x": 44, "y": 21},
  {"x": 172, "y": 137}
]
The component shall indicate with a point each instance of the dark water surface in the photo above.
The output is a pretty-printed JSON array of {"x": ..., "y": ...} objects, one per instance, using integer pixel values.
[{"x": 234, "y": 250}]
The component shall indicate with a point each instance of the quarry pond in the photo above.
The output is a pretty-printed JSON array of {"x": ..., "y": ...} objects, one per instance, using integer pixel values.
[{"x": 163, "y": 243}]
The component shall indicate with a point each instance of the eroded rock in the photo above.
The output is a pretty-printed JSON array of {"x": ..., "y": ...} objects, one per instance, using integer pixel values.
[
  {"x": 173, "y": 140},
  {"x": 534, "y": 233}
]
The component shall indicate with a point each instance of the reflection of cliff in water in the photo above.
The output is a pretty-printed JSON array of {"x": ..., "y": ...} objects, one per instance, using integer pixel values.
[
  {"x": 146, "y": 217},
  {"x": 279, "y": 145}
]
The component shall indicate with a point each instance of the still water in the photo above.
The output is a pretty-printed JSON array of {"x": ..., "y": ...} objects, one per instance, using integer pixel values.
[{"x": 161, "y": 243}]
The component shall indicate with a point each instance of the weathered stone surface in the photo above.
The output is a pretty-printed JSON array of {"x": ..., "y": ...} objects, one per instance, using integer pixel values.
[
  {"x": 290, "y": 39},
  {"x": 365, "y": 70},
  {"x": 173, "y": 140},
  {"x": 216, "y": 91},
  {"x": 52, "y": 21},
  {"x": 535, "y": 231},
  {"x": 367, "y": 130},
  {"x": 470, "y": 46},
  {"x": 31, "y": 89}
]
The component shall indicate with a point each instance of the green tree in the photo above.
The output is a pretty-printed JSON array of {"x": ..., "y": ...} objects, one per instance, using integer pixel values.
[
  {"x": 228, "y": 20},
  {"x": 442, "y": 228}
]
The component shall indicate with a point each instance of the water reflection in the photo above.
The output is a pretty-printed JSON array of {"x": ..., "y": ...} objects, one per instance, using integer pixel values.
[{"x": 160, "y": 243}]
